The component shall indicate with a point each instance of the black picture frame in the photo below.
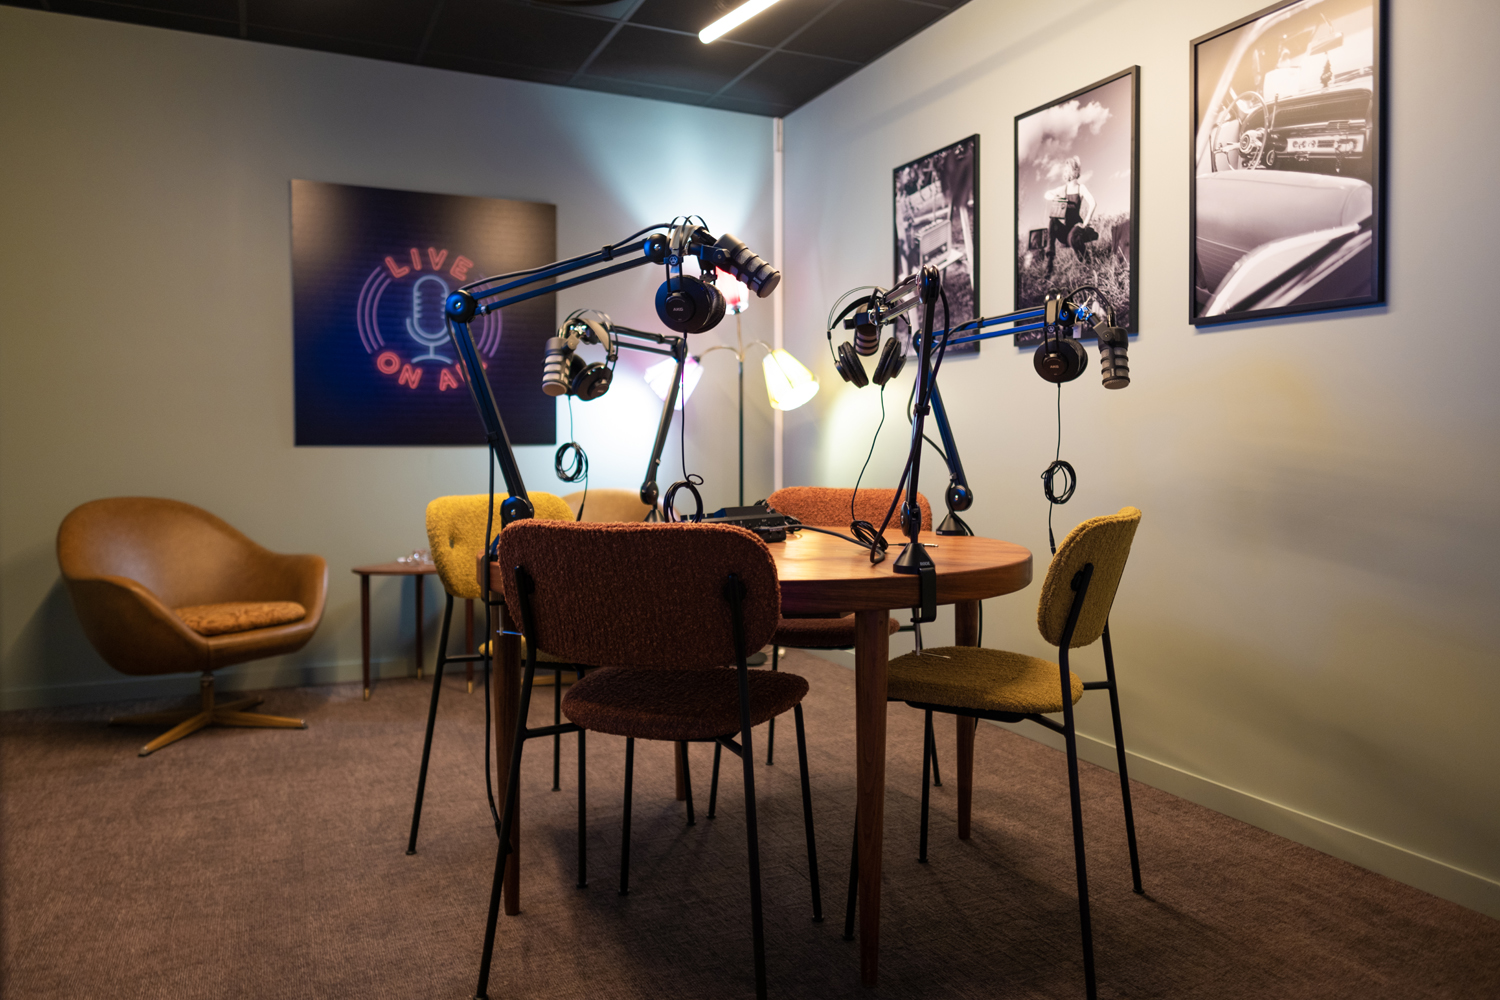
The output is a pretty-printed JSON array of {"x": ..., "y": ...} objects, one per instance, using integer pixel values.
[
  {"x": 1286, "y": 162},
  {"x": 944, "y": 182},
  {"x": 1076, "y": 128}
]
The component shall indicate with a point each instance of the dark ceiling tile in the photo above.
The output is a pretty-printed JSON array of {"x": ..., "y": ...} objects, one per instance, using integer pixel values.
[
  {"x": 516, "y": 33},
  {"x": 656, "y": 57},
  {"x": 487, "y": 67},
  {"x": 751, "y": 106},
  {"x": 635, "y": 88},
  {"x": 684, "y": 15},
  {"x": 789, "y": 78},
  {"x": 343, "y": 46},
  {"x": 396, "y": 23},
  {"x": 864, "y": 30},
  {"x": 774, "y": 26},
  {"x": 211, "y": 17}
]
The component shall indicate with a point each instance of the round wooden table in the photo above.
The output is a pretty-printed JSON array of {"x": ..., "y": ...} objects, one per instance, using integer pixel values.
[{"x": 822, "y": 575}]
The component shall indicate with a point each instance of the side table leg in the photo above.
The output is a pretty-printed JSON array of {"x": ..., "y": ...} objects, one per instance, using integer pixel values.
[
  {"x": 966, "y": 633},
  {"x": 469, "y": 642},
  {"x": 871, "y": 658},
  {"x": 421, "y": 586},
  {"x": 364, "y": 628}
]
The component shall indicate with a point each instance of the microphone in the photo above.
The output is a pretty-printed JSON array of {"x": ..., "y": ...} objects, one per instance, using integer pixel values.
[
  {"x": 555, "y": 367},
  {"x": 1114, "y": 364},
  {"x": 739, "y": 260}
]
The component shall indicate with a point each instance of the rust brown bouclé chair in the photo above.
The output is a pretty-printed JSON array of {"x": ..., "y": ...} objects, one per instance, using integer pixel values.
[
  {"x": 163, "y": 587},
  {"x": 661, "y": 608}
]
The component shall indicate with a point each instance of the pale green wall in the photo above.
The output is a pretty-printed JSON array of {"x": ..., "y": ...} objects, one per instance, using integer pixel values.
[
  {"x": 145, "y": 331},
  {"x": 1307, "y": 633}
]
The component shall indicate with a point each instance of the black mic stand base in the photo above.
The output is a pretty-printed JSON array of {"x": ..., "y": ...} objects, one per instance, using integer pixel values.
[
  {"x": 913, "y": 560},
  {"x": 953, "y": 525}
]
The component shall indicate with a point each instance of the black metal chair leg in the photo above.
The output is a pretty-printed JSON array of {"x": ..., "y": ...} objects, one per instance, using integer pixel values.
[
  {"x": 687, "y": 783},
  {"x": 437, "y": 688},
  {"x": 502, "y": 850},
  {"x": 927, "y": 749},
  {"x": 557, "y": 737},
  {"x": 937, "y": 777},
  {"x": 1114, "y": 707},
  {"x": 771, "y": 726},
  {"x": 625, "y": 830},
  {"x": 807, "y": 816},
  {"x": 713, "y": 786},
  {"x": 1071, "y": 737},
  {"x": 583, "y": 817},
  {"x": 752, "y": 837},
  {"x": 853, "y": 885}
]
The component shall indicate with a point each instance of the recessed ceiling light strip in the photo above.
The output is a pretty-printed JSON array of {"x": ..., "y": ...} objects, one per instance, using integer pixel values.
[{"x": 733, "y": 19}]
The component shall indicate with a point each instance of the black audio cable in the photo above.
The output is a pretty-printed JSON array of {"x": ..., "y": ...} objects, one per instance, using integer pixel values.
[
  {"x": 576, "y": 468},
  {"x": 1058, "y": 470},
  {"x": 864, "y": 532}
]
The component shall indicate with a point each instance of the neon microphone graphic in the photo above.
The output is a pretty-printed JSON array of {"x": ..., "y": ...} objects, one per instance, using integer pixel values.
[{"x": 427, "y": 325}]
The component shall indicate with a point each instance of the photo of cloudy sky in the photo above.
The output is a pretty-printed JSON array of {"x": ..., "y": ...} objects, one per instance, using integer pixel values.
[{"x": 1074, "y": 185}]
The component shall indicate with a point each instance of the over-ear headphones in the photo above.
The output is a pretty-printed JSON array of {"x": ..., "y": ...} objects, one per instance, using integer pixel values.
[
  {"x": 1060, "y": 358},
  {"x": 866, "y": 336},
  {"x": 564, "y": 372},
  {"x": 687, "y": 303}
]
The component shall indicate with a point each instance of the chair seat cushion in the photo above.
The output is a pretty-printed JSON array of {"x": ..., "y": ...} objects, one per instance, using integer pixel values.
[
  {"x": 990, "y": 680},
  {"x": 239, "y": 616},
  {"x": 819, "y": 633},
  {"x": 666, "y": 703}
]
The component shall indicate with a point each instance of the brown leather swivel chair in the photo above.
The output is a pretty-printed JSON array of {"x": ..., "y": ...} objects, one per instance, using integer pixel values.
[{"x": 141, "y": 569}]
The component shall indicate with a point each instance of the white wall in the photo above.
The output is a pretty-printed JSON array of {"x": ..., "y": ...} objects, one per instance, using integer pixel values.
[
  {"x": 145, "y": 336},
  {"x": 1307, "y": 633}
]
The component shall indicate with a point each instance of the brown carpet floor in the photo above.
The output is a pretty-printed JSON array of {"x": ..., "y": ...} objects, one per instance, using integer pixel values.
[{"x": 271, "y": 864}]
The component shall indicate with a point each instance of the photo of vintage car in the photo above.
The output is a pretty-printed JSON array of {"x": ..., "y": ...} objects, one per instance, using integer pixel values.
[{"x": 1286, "y": 175}]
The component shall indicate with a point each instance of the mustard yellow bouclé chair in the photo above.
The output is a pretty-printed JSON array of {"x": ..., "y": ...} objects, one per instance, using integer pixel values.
[
  {"x": 163, "y": 587},
  {"x": 455, "y": 539},
  {"x": 976, "y": 683}
]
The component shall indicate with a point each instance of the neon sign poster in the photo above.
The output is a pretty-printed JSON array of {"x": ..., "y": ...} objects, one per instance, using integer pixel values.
[{"x": 370, "y": 270}]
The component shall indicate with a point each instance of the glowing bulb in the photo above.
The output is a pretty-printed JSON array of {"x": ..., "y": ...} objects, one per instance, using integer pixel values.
[
  {"x": 736, "y": 295},
  {"x": 788, "y": 382},
  {"x": 661, "y": 375},
  {"x": 733, "y": 19}
]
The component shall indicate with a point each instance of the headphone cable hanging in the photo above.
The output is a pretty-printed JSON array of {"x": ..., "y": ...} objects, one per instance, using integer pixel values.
[{"x": 1058, "y": 470}]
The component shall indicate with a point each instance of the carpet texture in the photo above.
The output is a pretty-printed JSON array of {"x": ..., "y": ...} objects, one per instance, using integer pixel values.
[{"x": 271, "y": 864}]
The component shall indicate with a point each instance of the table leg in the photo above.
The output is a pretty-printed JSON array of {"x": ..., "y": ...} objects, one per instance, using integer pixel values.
[
  {"x": 364, "y": 628},
  {"x": 469, "y": 642},
  {"x": 966, "y": 633},
  {"x": 421, "y": 580},
  {"x": 507, "y": 692},
  {"x": 871, "y": 657}
]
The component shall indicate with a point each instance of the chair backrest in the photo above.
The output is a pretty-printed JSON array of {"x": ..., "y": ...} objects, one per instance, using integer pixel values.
[
  {"x": 640, "y": 594},
  {"x": 608, "y": 505},
  {"x": 1103, "y": 541},
  {"x": 181, "y": 553},
  {"x": 455, "y": 535},
  {"x": 828, "y": 507}
]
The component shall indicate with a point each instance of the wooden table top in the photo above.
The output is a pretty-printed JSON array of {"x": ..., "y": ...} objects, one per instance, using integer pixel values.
[
  {"x": 394, "y": 568},
  {"x": 823, "y": 574}
]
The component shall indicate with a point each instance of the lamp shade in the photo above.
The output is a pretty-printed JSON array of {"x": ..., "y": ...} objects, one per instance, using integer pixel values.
[
  {"x": 660, "y": 375},
  {"x": 788, "y": 382},
  {"x": 736, "y": 295}
]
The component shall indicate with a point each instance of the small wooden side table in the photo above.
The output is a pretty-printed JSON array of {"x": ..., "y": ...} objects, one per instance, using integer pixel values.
[{"x": 418, "y": 570}]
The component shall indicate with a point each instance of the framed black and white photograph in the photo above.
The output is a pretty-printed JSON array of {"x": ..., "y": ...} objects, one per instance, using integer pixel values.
[
  {"x": 937, "y": 223},
  {"x": 1076, "y": 199},
  {"x": 1287, "y": 179}
]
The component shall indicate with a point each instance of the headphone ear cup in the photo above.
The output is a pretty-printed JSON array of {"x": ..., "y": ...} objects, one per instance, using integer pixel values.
[
  {"x": 694, "y": 307},
  {"x": 892, "y": 360},
  {"x": 848, "y": 365},
  {"x": 591, "y": 382},
  {"x": 1060, "y": 360}
]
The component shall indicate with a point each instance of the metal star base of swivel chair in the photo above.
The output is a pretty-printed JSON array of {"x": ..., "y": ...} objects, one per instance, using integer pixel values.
[{"x": 185, "y": 722}]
